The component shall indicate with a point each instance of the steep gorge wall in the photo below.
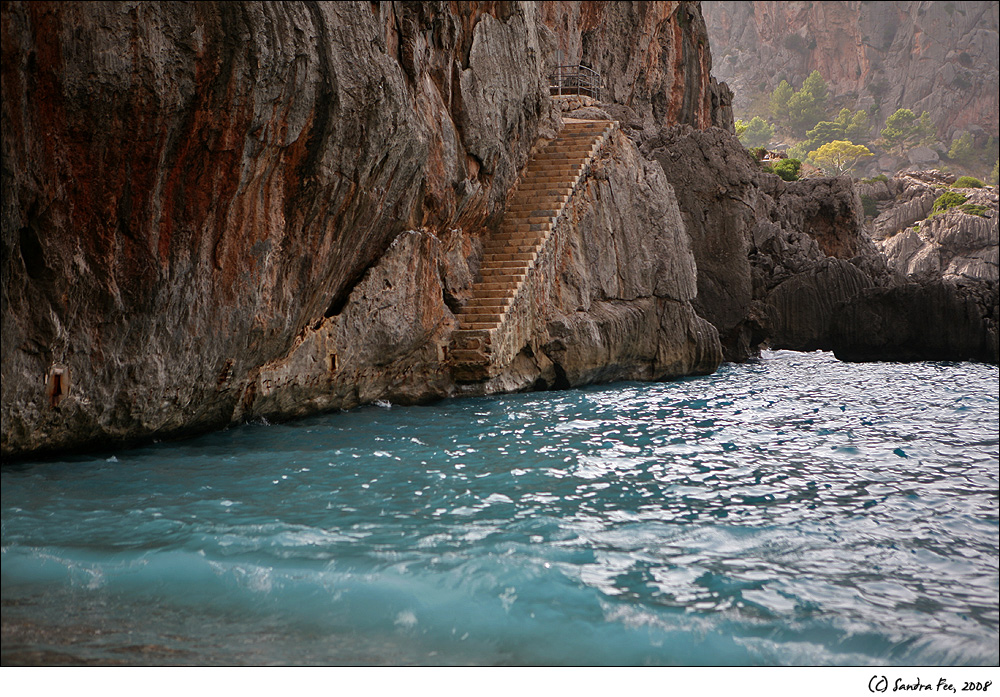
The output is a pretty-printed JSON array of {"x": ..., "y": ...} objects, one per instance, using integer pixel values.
[
  {"x": 941, "y": 57},
  {"x": 793, "y": 264},
  {"x": 218, "y": 211}
]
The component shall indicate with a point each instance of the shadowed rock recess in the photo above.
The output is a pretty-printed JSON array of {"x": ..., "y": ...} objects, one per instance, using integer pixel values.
[{"x": 219, "y": 212}]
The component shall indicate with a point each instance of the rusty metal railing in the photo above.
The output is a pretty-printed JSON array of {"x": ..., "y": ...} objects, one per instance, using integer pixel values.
[{"x": 575, "y": 79}]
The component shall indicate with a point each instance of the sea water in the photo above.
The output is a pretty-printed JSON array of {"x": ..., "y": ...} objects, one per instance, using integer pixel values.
[{"x": 793, "y": 510}]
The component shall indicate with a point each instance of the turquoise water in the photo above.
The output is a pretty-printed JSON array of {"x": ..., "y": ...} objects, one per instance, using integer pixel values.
[{"x": 796, "y": 510}]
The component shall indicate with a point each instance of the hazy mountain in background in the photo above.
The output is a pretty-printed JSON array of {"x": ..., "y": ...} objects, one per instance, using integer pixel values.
[{"x": 939, "y": 57}]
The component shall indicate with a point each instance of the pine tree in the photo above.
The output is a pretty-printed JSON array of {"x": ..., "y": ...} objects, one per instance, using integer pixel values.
[
  {"x": 900, "y": 129},
  {"x": 807, "y": 106},
  {"x": 779, "y": 101},
  {"x": 962, "y": 148},
  {"x": 839, "y": 156},
  {"x": 758, "y": 133},
  {"x": 926, "y": 129}
]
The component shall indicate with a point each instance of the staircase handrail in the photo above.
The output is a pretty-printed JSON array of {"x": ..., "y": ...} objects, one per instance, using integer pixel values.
[{"x": 576, "y": 79}]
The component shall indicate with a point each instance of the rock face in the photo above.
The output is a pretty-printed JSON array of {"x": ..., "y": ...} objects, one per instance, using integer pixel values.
[
  {"x": 930, "y": 321},
  {"x": 941, "y": 57},
  {"x": 945, "y": 305},
  {"x": 954, "y": 246},
  {"x": 774, "y": 258},
  {"x": 207, "y": 208},
  {"x": 794, "y": 265},
  {"x": 622, "y": 277},
  {"x": 214, "y": 212}
]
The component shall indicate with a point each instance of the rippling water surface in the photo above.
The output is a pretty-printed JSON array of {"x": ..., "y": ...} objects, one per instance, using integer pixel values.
[{"x": 796, "y": 510}]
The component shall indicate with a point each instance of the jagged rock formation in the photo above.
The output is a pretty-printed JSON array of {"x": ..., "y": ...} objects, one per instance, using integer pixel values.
[
  {"x": 919, "y": 321},
  {"x": 217, "y": 211},
  {"x": 954, "y": 246},
  {"x": 941, "y": 57},
  {"x": 774, "y": 258},
  {"x": 784, "y": 263},
  {"x": 949, "y": 268}
]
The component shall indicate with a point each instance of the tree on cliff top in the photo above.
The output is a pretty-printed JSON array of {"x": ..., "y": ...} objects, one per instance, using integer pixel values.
[
  {"x": 963, "y": 148},
  {"x": 904, "y": 130},
  {"x": 807, "y": 106},
  {"x": 839, "y": 156},
  {"x": 779, "y": 101},
  {"x": 757, "y": 134},
  {"x": 847, "y": 126}
]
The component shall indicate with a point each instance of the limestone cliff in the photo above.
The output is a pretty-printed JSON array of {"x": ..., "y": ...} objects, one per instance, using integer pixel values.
[
  {"x": 218, "y": 211},
  {"x": 941, "y": 57},
  {"x": 795, "y": 264}
]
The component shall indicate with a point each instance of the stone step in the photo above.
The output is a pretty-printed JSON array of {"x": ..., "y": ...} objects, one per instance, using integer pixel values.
[
  {"x": 533, "y": 173},
  {"x": 549, "y": 208},
  {"x": 575, "y": 139},
  {"x": 501, "y": 291},
  {"x": 561, "y": 156},
  {"x": 493, "y": 258},
  {"x": 574, "y": 129},
  {"x": 488, "y": 287},
  {"x": 554, "y": 165},
  {"x": 535, "y": 219},
  {"x": 480, "y": 314},
  {"x": 468, "y": 356},
  {"x": 488, "y": 274},
  {"x": 525, "y": 227},
  {"x": 487, "y": 306},
  {"x": 472, "y": 339},
  {"x": 503, "y": 275},
  {"x": 474, "y": 319},
  {"x": 568, "y": 147},
  {"x": 550, "y": 179},
  {"x": 516, "y": 238},
  {"x": 488, "y": 294},
  {"x": 538, "y": 200},
  {"x": 504, "y": 268},
  {"x": 544, "y": 189},
  {"x": 512, "y": 247},
  {"x": 529, "y": 250}
]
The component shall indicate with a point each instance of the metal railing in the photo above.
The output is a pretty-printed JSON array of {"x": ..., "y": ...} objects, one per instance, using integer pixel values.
[{"x": 575, "y": 79}]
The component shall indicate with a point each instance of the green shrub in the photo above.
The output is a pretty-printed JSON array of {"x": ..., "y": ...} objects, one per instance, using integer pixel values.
[
  {"x": 870, "y": 206},
  {"x": 967, "y": 183},
  {"x": 949, "y": 199},
  {"x": 788, "y": 169},
  {"x": 973, "y": 209},
  {"x": 876, "y": 178}
]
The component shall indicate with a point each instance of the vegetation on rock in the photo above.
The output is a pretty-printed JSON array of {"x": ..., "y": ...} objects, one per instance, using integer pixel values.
[
  {"x": 947, "y": 201},
  {"x": 903, "y": 130},
  {"x": 839, "y": 156},
  {"x": 757, "y": 134},
  {"x": 967, "y": 182},
  {"x": 788, "y": 169}
]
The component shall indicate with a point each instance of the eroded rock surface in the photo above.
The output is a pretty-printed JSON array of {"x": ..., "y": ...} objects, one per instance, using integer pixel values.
[
  {"x": 783, "y": 263},
  {"x": 955, "y": 245},
  {"x": 940, "y": 57},
  {"x": 217, "y": 211},
  {"x": 186, "y": 187}
]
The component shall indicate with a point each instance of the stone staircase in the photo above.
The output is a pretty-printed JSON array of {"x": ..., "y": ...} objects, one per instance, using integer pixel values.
[{"x": 493, "y": 326}]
